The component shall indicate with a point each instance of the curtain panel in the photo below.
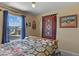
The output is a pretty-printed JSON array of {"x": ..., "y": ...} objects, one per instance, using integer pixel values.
[
  {"x": 23, "y": 28},
  {"x": 5, "y": 35}
]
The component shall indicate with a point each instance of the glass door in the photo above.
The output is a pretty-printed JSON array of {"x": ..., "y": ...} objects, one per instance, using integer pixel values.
[{"x": 15, "y": 25}]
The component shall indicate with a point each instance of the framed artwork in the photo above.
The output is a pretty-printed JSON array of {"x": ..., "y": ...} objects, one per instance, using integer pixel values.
[
  {"x": 68, "y": 21},
  {"x": 33, "y": 24},
  {"x": 49, "y": 26}
]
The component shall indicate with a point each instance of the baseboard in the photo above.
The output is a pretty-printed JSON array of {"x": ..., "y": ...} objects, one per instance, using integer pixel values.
[{"x": 68, "y": 53}]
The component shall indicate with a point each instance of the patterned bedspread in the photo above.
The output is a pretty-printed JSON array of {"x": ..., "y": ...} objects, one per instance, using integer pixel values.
[{"x": 27, "y": 47}]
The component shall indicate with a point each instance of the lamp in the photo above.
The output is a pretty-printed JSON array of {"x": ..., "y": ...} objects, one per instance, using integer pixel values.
[{"x": 33, "y": 4}]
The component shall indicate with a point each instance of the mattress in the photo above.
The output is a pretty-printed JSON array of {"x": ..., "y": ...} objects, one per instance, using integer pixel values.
[{"x": 27, "y": 47}]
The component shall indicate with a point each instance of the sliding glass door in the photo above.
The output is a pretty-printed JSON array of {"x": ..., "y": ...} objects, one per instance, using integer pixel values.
[{"x": 15, "y": 26}]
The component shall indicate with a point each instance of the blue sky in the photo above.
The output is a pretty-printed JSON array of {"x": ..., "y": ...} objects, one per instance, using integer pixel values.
[{"x": 14, "y": 20}]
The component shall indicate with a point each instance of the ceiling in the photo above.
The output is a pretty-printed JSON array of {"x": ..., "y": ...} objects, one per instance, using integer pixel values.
[{"x": 41, "y": 7}]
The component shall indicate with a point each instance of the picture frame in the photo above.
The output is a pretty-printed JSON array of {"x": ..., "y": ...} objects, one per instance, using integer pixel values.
[
  {"x": 33, "y": 24},
  {"x": 68, "y": 21}
]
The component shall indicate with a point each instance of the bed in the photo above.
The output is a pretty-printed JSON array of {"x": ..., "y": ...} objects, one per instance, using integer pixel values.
[{"x": 30, "y": 46}]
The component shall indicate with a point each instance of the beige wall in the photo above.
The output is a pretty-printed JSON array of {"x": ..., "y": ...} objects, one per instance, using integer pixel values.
[
  {"x": 68, "y": 37},
  {"x": 1, "y": 24},
  {"x": 29, "y": 30}
]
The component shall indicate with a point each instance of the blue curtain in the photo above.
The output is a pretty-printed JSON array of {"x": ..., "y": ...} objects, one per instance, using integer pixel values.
[
  {"x": 23, "y": 28},
  {"x": 5, "y": 36}
]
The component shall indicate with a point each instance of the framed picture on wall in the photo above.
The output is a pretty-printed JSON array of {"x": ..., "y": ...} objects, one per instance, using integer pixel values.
[{"x": 68, "y": 21}]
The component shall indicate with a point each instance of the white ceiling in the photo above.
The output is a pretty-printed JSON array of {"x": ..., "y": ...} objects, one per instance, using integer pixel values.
[{"x": 41, "y": 7}]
